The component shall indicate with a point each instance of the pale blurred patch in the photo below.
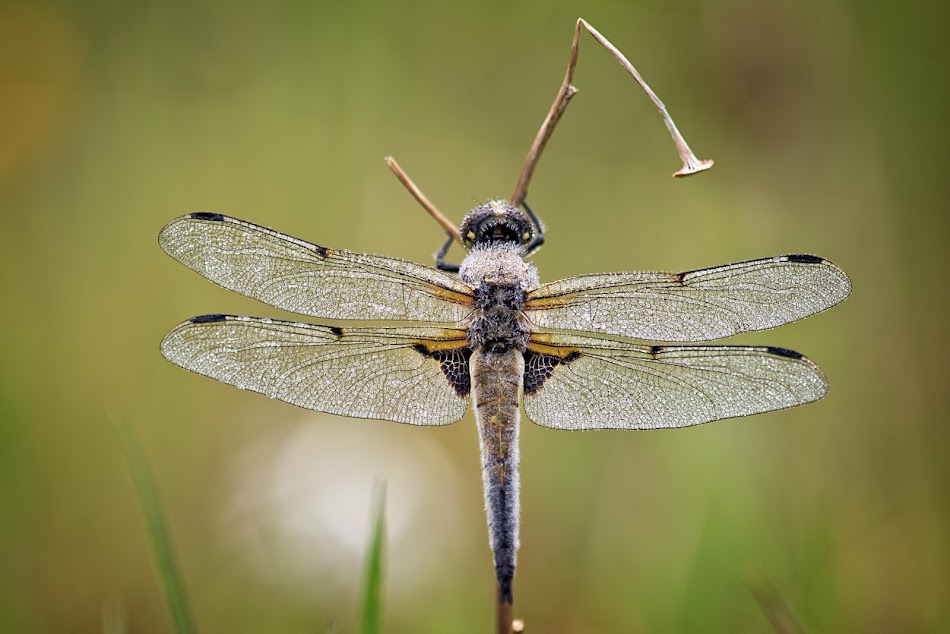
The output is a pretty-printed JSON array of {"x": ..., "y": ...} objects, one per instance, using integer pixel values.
[{"x": 298, "y": 506}]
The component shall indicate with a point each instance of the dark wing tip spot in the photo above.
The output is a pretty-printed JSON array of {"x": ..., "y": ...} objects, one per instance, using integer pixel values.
[
  {"x": 784, "y": 352},
  {"x": 207, "y": 319},
  {"x": 206, "y": 215},
  {"x": 321, "y": 251},
  {"x": 801, "y": 258},
  {"x": 337, "y": 331}
]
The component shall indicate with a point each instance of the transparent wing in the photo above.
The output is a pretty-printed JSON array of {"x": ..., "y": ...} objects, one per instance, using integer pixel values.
[
  {"x": 593, "y": 383},
  {"x": 692, "y": 306},
  {"x": 407, "y": 375},
  {"x": 306, "y": 278}
]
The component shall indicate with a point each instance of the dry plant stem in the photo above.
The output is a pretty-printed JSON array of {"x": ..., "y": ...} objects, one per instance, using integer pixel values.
[
  {"x": 563, "y": 98},
  {"x": 446, "y": 224},
  {"x": 691, "y": 164},
  {"x": 503, "y": 620}
]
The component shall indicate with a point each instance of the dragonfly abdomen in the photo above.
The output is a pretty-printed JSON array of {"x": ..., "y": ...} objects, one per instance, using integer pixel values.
[{"x": 496, "y": 388}]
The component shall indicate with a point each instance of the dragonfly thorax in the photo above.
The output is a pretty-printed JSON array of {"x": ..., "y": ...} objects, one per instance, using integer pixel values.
[
  {"x": 501, "y": 280},
  {"x": 500, "y": 264}
]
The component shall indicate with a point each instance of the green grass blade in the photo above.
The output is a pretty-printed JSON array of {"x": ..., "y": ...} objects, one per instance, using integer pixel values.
[
  {"x": 157, "y": 530},
  {"x": 372, "y": 613}
]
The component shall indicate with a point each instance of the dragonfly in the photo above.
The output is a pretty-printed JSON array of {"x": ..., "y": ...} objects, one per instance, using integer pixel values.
[{"x": 602, "y": 351}]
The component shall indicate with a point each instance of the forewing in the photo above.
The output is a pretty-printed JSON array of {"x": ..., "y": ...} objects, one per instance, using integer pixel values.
[
  {"x": 693, "y": 306},
  {"x": 580, "y": 383},
  {"x": 408, "y": 375},
  {"x": 306, "y": 278}
]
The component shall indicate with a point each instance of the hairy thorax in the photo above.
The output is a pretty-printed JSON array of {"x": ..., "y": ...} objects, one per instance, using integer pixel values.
[{"x": 501, "y": 279}]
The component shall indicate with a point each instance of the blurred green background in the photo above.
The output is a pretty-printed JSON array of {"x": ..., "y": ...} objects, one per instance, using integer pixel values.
[{"x": 827, "y": 121}]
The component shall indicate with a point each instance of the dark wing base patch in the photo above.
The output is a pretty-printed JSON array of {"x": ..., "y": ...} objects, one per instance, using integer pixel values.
[
  {"x": 538, "y": 366},
  {"x": 454, "y": 364}
]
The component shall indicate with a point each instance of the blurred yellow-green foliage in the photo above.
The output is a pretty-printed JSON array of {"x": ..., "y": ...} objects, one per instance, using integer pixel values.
[{"x": 828, "y": 124}]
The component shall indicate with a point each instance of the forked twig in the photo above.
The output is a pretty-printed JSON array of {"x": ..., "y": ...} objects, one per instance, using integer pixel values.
[
  {"x": 691, "y": 164},
  {"x": 446, "y": 224}
]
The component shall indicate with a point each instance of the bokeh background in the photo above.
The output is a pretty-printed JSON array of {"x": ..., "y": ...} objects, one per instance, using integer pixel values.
[{"x": 827, "y": 121}]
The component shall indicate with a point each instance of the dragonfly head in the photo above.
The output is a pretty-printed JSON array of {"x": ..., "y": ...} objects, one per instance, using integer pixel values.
[{"x": 496, "y": 222}]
